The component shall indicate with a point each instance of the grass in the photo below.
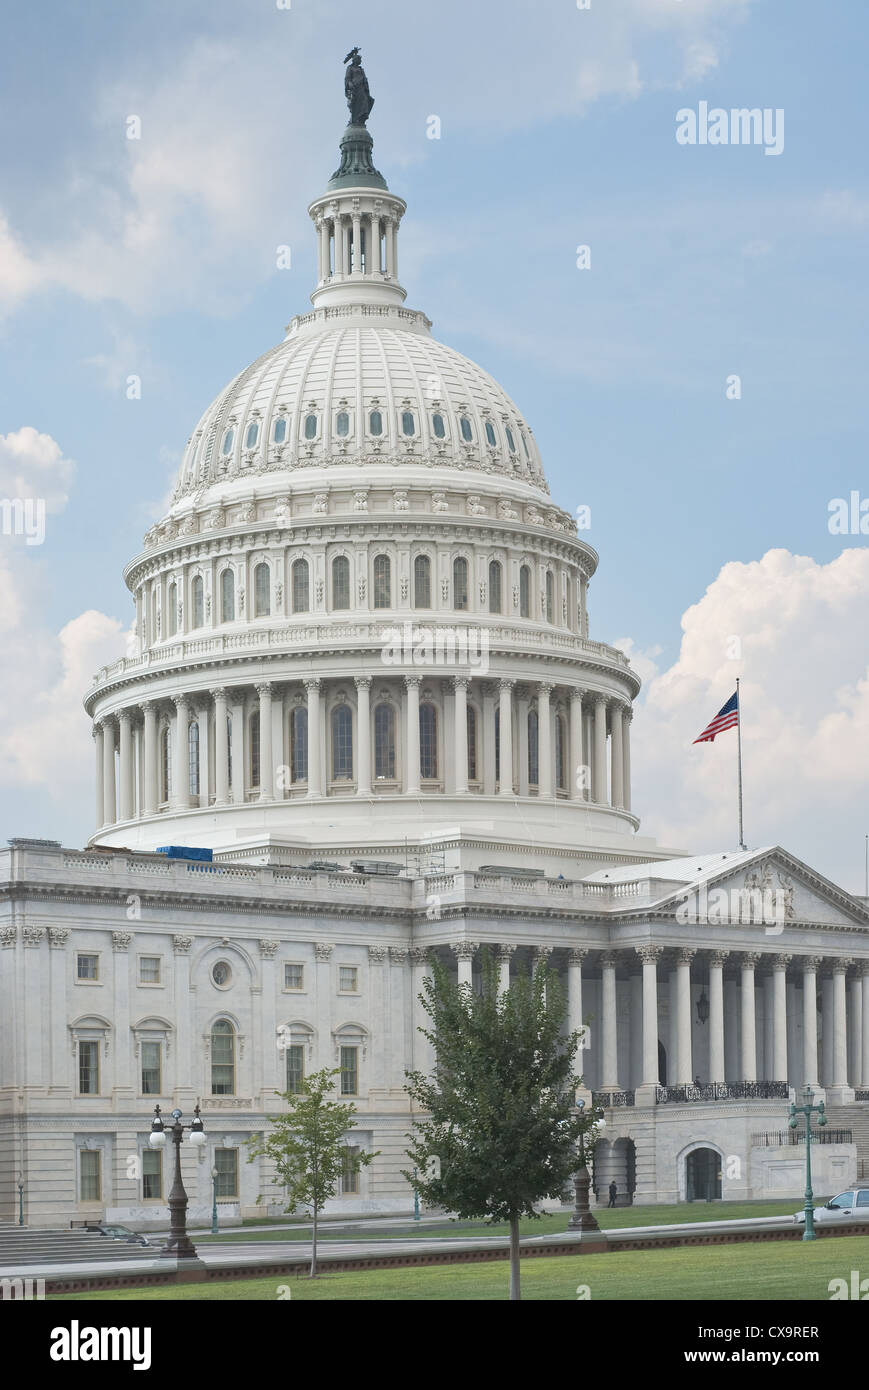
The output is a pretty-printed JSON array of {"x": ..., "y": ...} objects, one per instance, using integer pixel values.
[
  {"x": 786, "y": 1270},
  {"x": 550, "y": 1224}
]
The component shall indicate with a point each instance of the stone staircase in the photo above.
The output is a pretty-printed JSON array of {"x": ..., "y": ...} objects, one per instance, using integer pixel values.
[
  {"x": 22, "y": 1247},
  {"x": 856, "y": 1118}
]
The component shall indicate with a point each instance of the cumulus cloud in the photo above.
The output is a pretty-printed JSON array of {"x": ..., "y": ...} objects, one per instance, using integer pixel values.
[
  {"x": 794, "y": 631},
  {"x": 33, "y": 465}
]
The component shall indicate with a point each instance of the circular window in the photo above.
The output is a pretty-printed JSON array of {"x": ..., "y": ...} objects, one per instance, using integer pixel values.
[{"x": 221, "y": 973}]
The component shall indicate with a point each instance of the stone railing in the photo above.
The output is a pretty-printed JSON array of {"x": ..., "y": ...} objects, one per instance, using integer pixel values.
[{"x": 713, "y": 1090}]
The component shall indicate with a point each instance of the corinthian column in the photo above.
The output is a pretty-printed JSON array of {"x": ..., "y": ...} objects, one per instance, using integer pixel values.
[
  {"x": 840, "y": 1028},
  {"x": 650, "y": 956},
  {"x": 97, "y": 732},
  {"x": 464, "y": 953},
  {"x": 460, "y": 685},
  {"x": 221, "y": 748},
  {"x": 504, "y": 954},
  {"x": 748, "y": 1031},
  {"x": 150, "y": 756},
  {"x": 180, "y": 753},
  {"x": 863, "y": 969},
  {"x": 266, "y": 759},
  {"x": 576, "y": 758},
  {"x": 315, "y": 775},
  {"x": 779, "y": 1019},
  {"x": 716, "y": 1017},
  {"x": 626, "y": 758},
  {"x": 617, "y": 757},
  {"x": 600, "y": 750},
  {"x": 810, "y": 966},
  {"x": 363, "y": 735},
  {"x": 125, "y": 765},
  {"x": 684, "y": 1059},
  {"x": 506, "y": 727},
  {"x": 109, "y": 803},
  {"x": 412, "y": 758},
  {"x": 544, "y": 740},
  {"x": 609, "y": 1040},
  {"x": 574, "y": 993}
]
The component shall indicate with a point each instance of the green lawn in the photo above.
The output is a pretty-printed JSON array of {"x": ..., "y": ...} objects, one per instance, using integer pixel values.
[
  {"x": 747, "y": 1273},
  {"x": 552, "y": 1223}
]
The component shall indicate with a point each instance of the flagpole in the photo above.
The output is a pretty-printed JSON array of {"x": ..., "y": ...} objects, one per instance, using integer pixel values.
[{"x": 742, "y": 844}]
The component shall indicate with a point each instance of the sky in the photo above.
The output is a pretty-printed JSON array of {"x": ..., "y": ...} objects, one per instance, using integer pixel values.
[{"x": 700, "y": 384}]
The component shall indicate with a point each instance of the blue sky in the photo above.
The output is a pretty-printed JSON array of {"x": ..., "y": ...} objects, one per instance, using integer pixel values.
[{"x": 157, "y": 257}]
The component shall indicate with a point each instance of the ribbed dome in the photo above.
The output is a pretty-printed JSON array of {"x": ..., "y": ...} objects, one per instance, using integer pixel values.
[{"x": 359, "y": 385}]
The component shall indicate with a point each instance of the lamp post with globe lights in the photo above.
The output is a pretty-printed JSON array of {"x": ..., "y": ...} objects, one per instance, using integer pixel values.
[
  {"x": 807, "y": 1110},
  {"x": 583, "y": 1218},
  {"x": 179, "y": 1245}
]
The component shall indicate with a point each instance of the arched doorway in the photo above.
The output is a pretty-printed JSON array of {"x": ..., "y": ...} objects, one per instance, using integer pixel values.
[{"x": 703, "y": 1175}]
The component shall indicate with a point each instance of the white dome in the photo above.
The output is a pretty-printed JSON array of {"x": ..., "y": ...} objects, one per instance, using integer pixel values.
[{"x": 358, "y": 385}]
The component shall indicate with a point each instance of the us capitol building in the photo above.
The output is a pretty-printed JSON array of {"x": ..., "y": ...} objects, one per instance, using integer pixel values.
[{"x": 364, "y": 678}]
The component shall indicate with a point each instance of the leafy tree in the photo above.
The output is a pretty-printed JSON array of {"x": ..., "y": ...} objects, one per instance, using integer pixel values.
[
  {"x": 307, "y": 1147},
  {"x": 500, "y": 1127}
]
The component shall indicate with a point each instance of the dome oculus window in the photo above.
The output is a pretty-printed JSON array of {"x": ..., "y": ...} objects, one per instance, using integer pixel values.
[
  {"x": 310, "y": 427},
  {"x": 342, "y": 424},
  {"x": 221, "y": 973},
  {"x": 228, "y": 438},
  {"x": 375, "y": 423},
  {"x": 279, "y": 432},
  {"x": 252, "y": 435},
  {"x": 490, "y": 434},
  {"x": 437, "y": 424},
  {"x": 408, "y": 425},
  {"x": 465, "y": 426}
]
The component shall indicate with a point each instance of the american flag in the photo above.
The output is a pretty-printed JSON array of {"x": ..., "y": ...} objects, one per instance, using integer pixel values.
[{"x": 726, "y": 718}]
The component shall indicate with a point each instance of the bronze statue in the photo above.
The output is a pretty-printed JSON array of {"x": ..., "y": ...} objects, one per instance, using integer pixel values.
[{"x": 359, "y": 99}]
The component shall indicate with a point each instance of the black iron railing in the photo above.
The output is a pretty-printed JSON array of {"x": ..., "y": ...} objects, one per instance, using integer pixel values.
[
  {"x": 615, "y": 1099},
  {"x": 714, "y": 1090},
  {"x": 781, "y": 1138}
]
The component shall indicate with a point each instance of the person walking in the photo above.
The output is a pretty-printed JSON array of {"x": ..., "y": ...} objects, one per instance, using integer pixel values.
[{"x": 613, "y": 1194}]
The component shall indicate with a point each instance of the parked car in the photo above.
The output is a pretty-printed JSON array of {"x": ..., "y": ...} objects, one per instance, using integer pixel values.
[
  {"x": 848, "y": 1206},
  {"x": 122, "y": 1233}
]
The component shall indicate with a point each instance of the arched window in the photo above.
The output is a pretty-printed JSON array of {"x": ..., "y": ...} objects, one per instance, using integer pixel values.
[
  {"x": 262, "y": 598},
  {"x": 340, "y": 582},
  {"x": 472, "y": 744},
  {"x": 524, "y": 444},
  {"x": 428, "y": 741},
  {"x": 166, "y": 765},
  {"x": 494, "y": 586},
  {"x": 375, "y": 422},
  {"x": 253, "y": 739},
  {"x": 228, "y": 440},
  {"x": 490, "y": 433},
  {"x": 437, "y": 424},
  {"x": 497, "y": 743},
  {"x": 460, "y": 584},
  {"x": 524, "y": 592},
  {"x": 252, "y": 435},
  {"x": 193, "y": 758},
  {"x": 408, "y": 425},
  {"x": 384, "y": 742},
  {"x": 227, "y": 596},
  {"x": 465, "y": 426},
  {"x": 422, "y": 582},
  {"x": 511, "y": 442},
  {"x": 382, "y": 581},
  {"x": 310, "y": 427},
  {"x": 550, "y": 597},
  {"x": 222, "y": 1058},
  {"x": 342, "y": 424},
  {"x": 197, "y": 594},
  {"x": 301, "y": 595},
  {"x": 172, "y": 609},
  {"x": 299, "y": 744},
  {"x": 279, "y": 432},
  {"x": 342, "y": 743},
  {"x": 533, "y": 745},
  {"x": 560, "y": 780}
]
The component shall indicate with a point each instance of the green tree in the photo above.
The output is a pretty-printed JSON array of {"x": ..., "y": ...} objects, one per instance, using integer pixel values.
[
  {"x": 500, "y": 1126},
  {"x": 308, "y": 1148}
]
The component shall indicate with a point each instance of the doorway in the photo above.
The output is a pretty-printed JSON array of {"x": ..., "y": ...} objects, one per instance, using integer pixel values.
[{"x": 703, "y": 1175}]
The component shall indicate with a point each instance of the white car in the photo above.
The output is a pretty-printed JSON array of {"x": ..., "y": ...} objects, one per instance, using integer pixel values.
[{"x": 848, "y": 1206}]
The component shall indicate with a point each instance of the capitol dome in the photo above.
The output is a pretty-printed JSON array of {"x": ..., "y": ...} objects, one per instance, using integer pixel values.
[{"x": 363, "y": 605}]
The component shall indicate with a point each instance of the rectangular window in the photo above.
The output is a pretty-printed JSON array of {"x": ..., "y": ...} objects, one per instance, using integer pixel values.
[
  {"x": 90, "y": 1186},
  {"x": 349, "y": 1071},
  {"x": 151, "y": 1067},
  {"x": 88, "y": 967},
  {"x": 295, "y": 1068},
  {"x": 226, "y": 1163},
  {"x": 348, "y": 979},
  {"x": 152, "y": 1175},
  {"x": 349, "y": 1178},
  {"x": 294, "y": 976},
  {"x": 149, "y": 970},
  {"x": 88, "y": 1068}
]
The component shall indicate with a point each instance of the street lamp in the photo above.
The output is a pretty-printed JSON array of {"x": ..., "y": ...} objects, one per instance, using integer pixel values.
[
  {"x": 583, "y": 1218},
  {"x": 214, "y": 1201},
  {"x": 807, "y": 1110},
  {"x": 179, "y": 1245}
]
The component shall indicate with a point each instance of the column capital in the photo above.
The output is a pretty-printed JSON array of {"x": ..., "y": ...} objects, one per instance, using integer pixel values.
[
  {"x": 121, "y": 940},
  {"x": 576, "y": 956},
  {"x": 839, "y": 966},
  {"x": 411, "y": 681},
  {"x": 718, "y": 959},
  {"x": 609, "y": 958},
  {"x": 685, "y": 955},
  {"x": 811, "y": 964},
  {"x": 398, "y": 954},
  {"x": 264, "y": 688},
  {"x": 218, "y": 692},
  {"x": 545, "y": 688},
  {"x": 97, "y": 729},
  {"x": 749, "y": 959},
  {"x": 125, "y": 716},
  {"x": 362, "y": 682},
  {"x": 377, "y": 954},
  {"x": 464, "y": 950},
  {"x": 311, "y": 684},
  {"x": 268, "y": 946},
  {"x": 181, "y": 945},
  {"x": 649, "y": 953},
  {"x": 541, "y": 954},
  {"x": 180, "y": 702},
  {"x": 780, "y": 962},
  {"x": 577, "y": 693},
  {"x": 323, "y": 950},
  {"x": 506, "y": 683},
  {"x": 419, "y": 955},
  {"x": 504, "y": 953},
  {"x": 601, "y": 701},
  {"x": 461, "y": 682},
  {"x": 861, "y": 969}
]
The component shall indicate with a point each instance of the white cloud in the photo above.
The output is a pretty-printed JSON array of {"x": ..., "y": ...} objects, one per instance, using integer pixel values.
[
  {"x": 805, "y": 703},
  {"x": 33, "y": 465}
]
